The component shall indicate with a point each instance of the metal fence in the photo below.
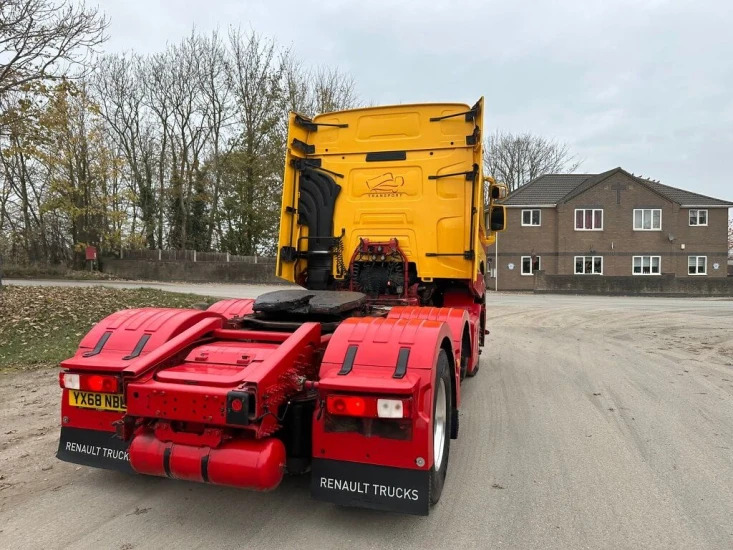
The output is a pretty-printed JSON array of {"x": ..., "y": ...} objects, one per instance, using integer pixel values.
[{"x": 161, "y": 255}]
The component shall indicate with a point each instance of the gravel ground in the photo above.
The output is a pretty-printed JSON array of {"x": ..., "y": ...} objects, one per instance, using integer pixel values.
[{"x": 594, "y": 423}]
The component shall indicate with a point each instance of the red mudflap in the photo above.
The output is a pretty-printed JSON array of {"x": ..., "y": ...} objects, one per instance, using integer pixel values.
[{"x": 248, "y": 464}]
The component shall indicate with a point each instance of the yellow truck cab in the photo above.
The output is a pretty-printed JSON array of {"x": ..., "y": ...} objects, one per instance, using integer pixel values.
[{"x": 411, "y": 175}]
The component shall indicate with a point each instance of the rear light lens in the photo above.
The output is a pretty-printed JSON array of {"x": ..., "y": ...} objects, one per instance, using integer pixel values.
[
  {"x": 369, "y": 407},
  {"x": 392, "y": 408},
  {"x": 346, "y": 405},
  {"x": 100, "y": 383},
  {"x": 69, "y": 381}
]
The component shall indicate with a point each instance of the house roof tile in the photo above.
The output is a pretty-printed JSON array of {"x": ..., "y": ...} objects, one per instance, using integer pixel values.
[
  {"x": 559, "y": 188},
  {"x": 547, "y": 189}
]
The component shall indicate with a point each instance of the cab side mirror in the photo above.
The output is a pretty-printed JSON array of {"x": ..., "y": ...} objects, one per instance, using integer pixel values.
[{"x": 497, "y": 218}]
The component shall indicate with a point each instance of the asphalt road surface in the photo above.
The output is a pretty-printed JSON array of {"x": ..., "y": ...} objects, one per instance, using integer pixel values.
[{"x": 594, "y": 423}]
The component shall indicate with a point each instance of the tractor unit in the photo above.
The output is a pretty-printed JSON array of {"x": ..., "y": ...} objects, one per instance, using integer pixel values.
[{"x": 354, "y": 376}]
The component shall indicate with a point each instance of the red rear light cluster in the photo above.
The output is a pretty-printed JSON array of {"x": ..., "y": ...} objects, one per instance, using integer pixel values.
[
  {"x": 367, "y": 406},
  {"x": 102, "y": 383}
]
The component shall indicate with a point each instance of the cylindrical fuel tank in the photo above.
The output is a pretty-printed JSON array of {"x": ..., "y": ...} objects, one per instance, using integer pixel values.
[{"x": 257, "y": 464}]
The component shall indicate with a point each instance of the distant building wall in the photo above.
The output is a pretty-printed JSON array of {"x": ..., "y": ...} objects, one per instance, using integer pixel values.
[{"x": 517, "y": 241}]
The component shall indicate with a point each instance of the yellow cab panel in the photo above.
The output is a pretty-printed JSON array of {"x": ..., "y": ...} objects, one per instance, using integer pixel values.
[{"x": 406, "y": 172}]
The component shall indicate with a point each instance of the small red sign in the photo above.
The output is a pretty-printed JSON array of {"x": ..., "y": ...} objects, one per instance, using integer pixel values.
[{"x": 91, "y": 252}]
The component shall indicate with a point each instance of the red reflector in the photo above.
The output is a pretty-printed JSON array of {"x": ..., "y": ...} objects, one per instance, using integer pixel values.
[
  {"x": 347, "y": 405},
  {"x": 236, "y": 405},
  {"x": 336, "y": 405}
]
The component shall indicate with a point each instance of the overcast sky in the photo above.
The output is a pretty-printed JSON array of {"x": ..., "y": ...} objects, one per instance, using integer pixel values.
[{"x": 645, "y": 85}]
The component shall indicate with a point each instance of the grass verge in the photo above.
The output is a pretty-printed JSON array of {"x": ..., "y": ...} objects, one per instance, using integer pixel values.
[{"x": 40, "y": 326}]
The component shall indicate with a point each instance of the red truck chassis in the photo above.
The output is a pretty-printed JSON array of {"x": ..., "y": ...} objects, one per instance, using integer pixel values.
[{"x": 363, "y": 396}]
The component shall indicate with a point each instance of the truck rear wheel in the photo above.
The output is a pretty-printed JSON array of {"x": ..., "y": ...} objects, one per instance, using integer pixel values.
[
  {"x": 442, "y": 422},
  {"x": 465, "y": 353},
  {"x": 474, "y": 372}
]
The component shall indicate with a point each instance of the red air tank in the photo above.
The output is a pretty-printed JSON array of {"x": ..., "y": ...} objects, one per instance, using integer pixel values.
[{"x": 257, "y": 464}]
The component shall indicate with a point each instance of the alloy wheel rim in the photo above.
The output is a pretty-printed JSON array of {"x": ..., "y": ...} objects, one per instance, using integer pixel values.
[{"x": 439, "y": 426}]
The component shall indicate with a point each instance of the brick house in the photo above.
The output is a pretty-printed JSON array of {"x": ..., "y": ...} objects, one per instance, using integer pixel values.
[{"x": 609, "y": 224}]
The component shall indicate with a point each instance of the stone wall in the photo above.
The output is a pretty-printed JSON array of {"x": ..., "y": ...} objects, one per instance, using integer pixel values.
[
  {"x": 658, "y": 285},
  {"x": 262, "y": 272}
]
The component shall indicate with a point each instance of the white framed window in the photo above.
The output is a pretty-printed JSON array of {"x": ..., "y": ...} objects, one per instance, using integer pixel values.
[
  {"x": 697, "y": 265},
  {"x": 647, "y": 219},
  {"x": 530, "y": 264},
  {"x": 589, "y": 265},
  {"x": 589, "y": 219},
  {"x": 698, "y": 217},
  {"x": 646, "y": 265},
  {"x": 531, "y": 217}
]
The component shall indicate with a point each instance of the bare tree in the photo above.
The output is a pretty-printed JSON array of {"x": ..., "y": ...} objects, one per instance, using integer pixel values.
[
  {"x": 256, "y": 77},
  {"x": 189, "y": 133},
  {"x": 314, "y": 91},
  {"x": 296, "y": 87},
  {"x": 332, "y": 90},
  {"x": 516, "y": 159},
  {"x": 120, "y": 92},
  {"x": 217, "y": 91},
  {"x": 41, "y": 39},
  {"x": 157, "y": 80}
]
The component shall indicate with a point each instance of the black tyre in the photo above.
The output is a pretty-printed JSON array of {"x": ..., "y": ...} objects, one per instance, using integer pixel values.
[
  {"x": 455, "y": 425},
  {"x": 465, "y": 354},
  {"x": 474, "y": 372},
  {"x": 442, "y": 425}
]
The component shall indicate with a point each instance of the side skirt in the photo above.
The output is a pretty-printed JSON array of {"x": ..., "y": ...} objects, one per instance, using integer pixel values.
[
  {"x": 368, "y": 486},
  {"x": 93, "y": 448}
]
